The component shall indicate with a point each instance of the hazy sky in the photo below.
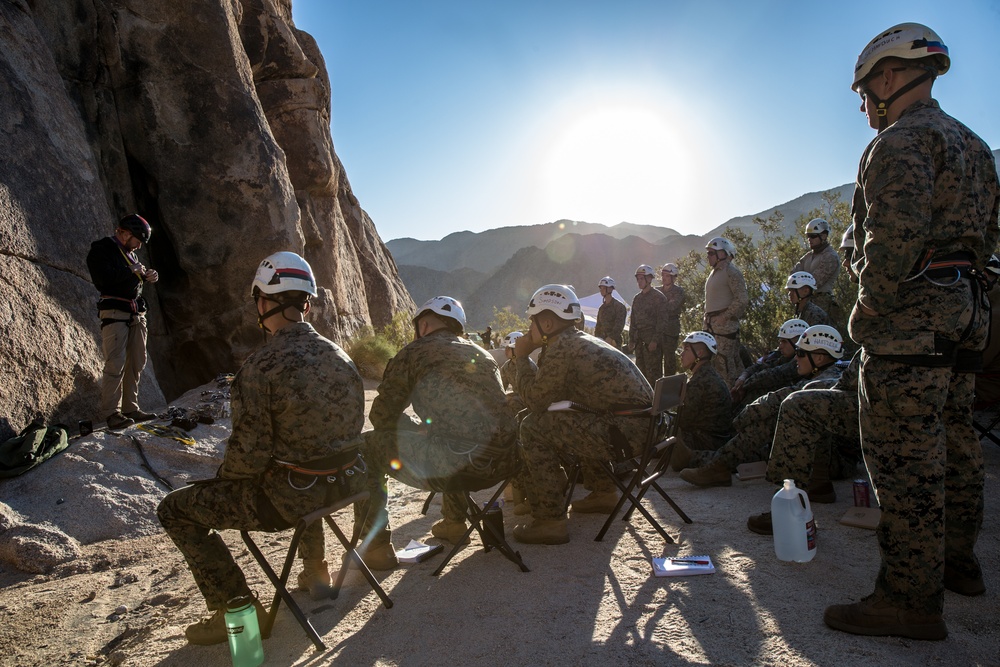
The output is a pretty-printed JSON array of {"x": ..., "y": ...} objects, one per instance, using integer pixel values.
[{"x": 469, "y": 115}]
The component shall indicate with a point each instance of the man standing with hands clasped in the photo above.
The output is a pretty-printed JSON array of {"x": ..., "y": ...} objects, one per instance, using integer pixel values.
[
  {"x": 119, "y": 275},
  {"x": 925, "y": 221}
]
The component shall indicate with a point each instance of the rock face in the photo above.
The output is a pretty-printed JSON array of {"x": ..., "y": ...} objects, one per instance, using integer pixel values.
[{"x": 212, "y": 120}]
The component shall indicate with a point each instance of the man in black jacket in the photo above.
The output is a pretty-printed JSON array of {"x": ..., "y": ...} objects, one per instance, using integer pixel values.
[{"x": 118, "y": 275}]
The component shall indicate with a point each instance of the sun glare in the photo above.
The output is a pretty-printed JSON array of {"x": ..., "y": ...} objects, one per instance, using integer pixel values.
[{"x": 617, "y": 163}]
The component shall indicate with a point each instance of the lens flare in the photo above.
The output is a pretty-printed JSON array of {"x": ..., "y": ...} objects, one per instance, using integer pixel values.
[{"x": 395, "y": 464}]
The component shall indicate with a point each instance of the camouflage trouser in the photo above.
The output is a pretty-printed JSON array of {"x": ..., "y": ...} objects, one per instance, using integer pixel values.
[
  {"x": 650, "y": 363},
  {"x": 818, "y": 425},
  {"x": 754, "y": 428},
  {"x": 669, "y": 347},
  {"x": 413, "y": 458},
  {"x": 547, "y": 436},
  {"x": 728, "y": 361},
  {"x": 191, "y": 515},
  {"x": 926, "y": 467}
]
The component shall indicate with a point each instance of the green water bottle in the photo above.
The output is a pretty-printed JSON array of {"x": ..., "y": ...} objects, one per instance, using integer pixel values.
[{"x": 244, "y": 632}]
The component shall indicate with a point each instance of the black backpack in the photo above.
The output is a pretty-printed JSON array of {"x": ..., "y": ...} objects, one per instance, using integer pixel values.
[{"x": 35, "y": 444}]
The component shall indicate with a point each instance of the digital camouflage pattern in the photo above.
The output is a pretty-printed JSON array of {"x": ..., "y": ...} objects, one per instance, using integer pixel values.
[
  {"x": 811, "y": 313},
  {"x": 675, "y": 306},
  {"x": 611, "y": 321},
  {"x": 769, "y": 374},
  {"x": 724, "y": 323},
  {"x": 647, "y": 324},
  {"x": 754, "y": 425},
  {"x": 297, "y": 399},
  {"x": 704, "y": 421},
  {"x": 508, "y": 378},
  {"x": 464, "y": 434},
  {"x": 818, "y": 425},
  {"x": 926, "y": 182},
  {"x": 576, "y": 367}
]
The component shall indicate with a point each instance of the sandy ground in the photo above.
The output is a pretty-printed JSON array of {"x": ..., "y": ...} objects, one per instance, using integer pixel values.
[{"x": 126, "y": 600}]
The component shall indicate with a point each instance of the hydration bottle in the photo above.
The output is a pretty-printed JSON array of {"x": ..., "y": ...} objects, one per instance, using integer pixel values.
[
  {"x": 244, "y": 633},
  {"x": 793, "y": 525}
]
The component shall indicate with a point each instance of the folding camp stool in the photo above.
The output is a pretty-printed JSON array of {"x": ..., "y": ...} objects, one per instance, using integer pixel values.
[
  {"x": 490, "y": 536},
  {"x": 668, "y": 394},
  {"x": 280, "y": 582}
]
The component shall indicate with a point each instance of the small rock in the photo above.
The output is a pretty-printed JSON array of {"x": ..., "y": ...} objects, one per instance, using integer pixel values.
[
  {"x": 121, "y": 610},
  {"x": 60, "y": 501}
]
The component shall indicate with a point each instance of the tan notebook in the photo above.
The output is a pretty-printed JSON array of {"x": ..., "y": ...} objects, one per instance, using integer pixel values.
[{"x": 862, "y": 517}]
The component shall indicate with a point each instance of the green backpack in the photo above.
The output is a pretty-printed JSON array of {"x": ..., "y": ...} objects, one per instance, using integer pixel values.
[{"x": 35, "y": 444}]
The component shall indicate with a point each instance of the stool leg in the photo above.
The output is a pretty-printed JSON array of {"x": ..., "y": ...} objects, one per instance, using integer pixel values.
[{"x": 352, "y": 554}]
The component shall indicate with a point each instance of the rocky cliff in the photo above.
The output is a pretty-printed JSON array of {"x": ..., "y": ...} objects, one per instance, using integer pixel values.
[{"x": 212, "y": 120}]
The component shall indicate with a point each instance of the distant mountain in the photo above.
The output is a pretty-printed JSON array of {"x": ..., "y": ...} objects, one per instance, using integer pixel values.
[
  {"x": 485, "y": 251},
  {"x": 575, "y": 259},
  {"x": 503, "y": 267},
  {"x": 424, "y": 283}
]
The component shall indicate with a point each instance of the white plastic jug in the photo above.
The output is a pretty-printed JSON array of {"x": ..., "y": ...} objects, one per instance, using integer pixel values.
[{"x": 793, "y": 525}]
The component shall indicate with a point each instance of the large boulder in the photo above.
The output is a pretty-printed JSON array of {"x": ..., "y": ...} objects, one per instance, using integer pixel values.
[{"x": 212, "y": 120}]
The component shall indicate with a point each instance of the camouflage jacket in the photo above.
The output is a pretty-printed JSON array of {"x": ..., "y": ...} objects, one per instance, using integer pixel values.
[
  {"x": 611, "y": 321},
  {"x": 675, "y": 306},
  {"x": 823, "y": 265},
  {"x": 297, "y": 399},
  {"x": 811, "y": 313},
  {"x": 707, "y": 407},
  {"x": 926, "y": 183},
  {"x": 453, "y": 386},
  {"x": 727, "y": 320},
  {"x": 508, "y": 374},
  {"x": 647, "y": 323},
  {"x": 578, "y": 367},
  {"x": 781, "y": 374}
]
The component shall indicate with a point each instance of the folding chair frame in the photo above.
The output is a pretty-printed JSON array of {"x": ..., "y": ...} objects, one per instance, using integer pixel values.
[
  {"x": 280, "y": 582},
  {"x": 668, "y": 394}
]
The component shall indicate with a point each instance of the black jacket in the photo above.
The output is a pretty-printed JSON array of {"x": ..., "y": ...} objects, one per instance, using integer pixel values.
[{"x": 120, "y": 288}]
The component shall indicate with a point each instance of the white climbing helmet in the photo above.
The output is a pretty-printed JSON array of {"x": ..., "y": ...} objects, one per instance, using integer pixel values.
[
  {"x": 645, "y": 270},
  {"x": 719, "y": 243},
  {"x": 670, "y": 269},
  {"x": 792, "y": 329},
  {"x": 510, "y": 339},
  {"x": 908, "y": 41},
  {"x": 822, "y": 338},
  {"x": 443, "y": 306},
  {"x": 283, "y": 272},
  {"x": 817, "y": 226},
  {"x": 560, "y": 300},
  {"x": 703, "y": 337},
  {"x": 800, "y": 279},
  {"x": 607, "y": 281},
  {"x": 848, "y": 239}
]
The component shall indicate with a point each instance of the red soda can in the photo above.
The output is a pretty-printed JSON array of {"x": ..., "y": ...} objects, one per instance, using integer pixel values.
[{"x": 862, "y": 493}]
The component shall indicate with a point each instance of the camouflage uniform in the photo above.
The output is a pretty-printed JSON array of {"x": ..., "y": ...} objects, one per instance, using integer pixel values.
[
  {"x": 611, "y": 321},
  {"x": 926, "y": 182},
  {"x": 811, "y": 313},
  {"x": 818, "y": 425},
  {"x": 297, "y": 399},
  {"x": 824, "y": 266},
  {"x": 754, "y": 426},
  {"x": 724, "y": 324},
  {"x": 576, "y": 367},
  {"x": 672, "y": 331},
  {"x": 464, "y": 438},
  {"x": 508, "y": 378},
  {"x": 705, "y": 419},
  {"x": 647, "y": 324},
  {"x": 771, "y": 373}
]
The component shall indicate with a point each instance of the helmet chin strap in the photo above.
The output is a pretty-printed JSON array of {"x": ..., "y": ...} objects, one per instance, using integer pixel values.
[
  {"x": 882, "y": 106},
  {"x": 280, "y": 308}
]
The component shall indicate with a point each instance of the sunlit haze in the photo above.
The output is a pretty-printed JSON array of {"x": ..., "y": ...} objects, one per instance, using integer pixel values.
[{"x": 457, "y": 115}]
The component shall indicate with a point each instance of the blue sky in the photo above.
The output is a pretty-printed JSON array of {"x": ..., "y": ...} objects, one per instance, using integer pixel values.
[{"x": 468, "y": 115}]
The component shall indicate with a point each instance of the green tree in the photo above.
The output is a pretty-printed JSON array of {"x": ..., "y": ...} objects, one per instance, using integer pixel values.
[
  {"x": 766, "y": 263},
  {"x": 504, "y": 321}
]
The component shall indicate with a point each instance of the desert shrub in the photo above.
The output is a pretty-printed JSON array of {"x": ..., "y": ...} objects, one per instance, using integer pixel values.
[
  {"x": 504, "y": 321},
  {"x": 370, "y": 352}
]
